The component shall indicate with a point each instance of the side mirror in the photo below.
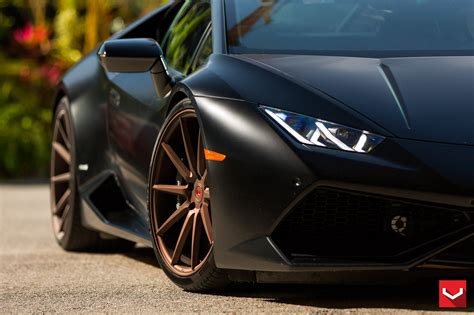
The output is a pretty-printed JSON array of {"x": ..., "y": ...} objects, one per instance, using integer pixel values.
[{"x": 136, "y": 55}]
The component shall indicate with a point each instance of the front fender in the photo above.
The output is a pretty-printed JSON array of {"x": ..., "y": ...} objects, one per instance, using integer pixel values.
[{"x": 247, "y": 196}]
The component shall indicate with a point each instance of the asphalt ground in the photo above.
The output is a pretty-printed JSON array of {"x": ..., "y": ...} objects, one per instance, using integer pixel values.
[{"x": 36, "y": 276}]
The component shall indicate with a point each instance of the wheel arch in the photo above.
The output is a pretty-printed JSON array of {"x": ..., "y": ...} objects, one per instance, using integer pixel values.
[
  {"x": 179, "y": 94},
  {"x": 87, "y": 104},
  {"x": 60, "y": 92}
]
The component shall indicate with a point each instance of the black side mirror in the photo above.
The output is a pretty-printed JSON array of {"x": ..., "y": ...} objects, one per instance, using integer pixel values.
[{"x": 137, "y": 55}]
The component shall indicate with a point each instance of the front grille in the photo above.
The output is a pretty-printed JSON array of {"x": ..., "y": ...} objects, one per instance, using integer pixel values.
[{"x": 339, "y": 224}]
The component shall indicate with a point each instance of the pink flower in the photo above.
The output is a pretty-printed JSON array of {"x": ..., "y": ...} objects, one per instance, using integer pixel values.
[
  {"x": 24, "y": 35},
  {"x": 31, "y": 35},
  {"x": 52, "y": 73}
]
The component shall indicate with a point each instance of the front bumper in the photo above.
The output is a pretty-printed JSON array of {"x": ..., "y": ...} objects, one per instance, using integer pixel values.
[{"x": 267, "y": 175}]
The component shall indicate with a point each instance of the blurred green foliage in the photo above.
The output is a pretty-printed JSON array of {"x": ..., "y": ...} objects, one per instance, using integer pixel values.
[
  {"x": 24, "y": 123},
  {"x": 39, "y": 40}
]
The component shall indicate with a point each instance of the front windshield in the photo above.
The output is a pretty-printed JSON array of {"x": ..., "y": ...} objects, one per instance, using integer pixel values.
[{"x": 365, "y": 28}]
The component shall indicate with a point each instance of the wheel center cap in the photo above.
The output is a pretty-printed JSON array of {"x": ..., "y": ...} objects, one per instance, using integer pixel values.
[{"x": 198, "y": 193}]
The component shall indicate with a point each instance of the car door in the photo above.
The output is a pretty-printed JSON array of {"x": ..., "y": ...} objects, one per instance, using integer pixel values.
[{"x": 136, "y": 113}]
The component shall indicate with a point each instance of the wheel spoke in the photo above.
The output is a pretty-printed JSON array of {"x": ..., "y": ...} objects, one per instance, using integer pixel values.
[
  {"x": 62, "y": 202},
  {"x": 188, "y": 146},
  {"x": 175, "y": 216},
  {"x": 207, "y": 194},
  {"x": 63, "y": 134},
  {"x": 204, "y": 176},
  {"x": 179, "y": 190},
  {"x": 201, "y": 162},
  {"x": 195, "y": 242},
  {"x": 178, "y": 250},
  {"x": 206, "y": 220},
  {"x": 61, "y": 178},
  {"x": 64, "y": 216},
  {"x": 182, "y": 169},
  {"x": 62, "y": 151}
]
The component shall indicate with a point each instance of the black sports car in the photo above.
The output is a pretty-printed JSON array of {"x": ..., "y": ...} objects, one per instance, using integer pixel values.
[{"x": 274, "y": 141}]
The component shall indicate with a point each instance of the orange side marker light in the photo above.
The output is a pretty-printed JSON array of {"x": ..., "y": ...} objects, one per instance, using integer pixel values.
[{"x": 213, "y": 156}]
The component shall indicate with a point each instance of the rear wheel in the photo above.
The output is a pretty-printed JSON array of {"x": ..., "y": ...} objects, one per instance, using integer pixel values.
[
  {"x": 65, "y": 202},
  {"x": 180, "y": 204}
]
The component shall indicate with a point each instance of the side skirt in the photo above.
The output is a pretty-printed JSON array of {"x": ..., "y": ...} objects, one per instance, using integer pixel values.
[{"x": 105, "y": 209}]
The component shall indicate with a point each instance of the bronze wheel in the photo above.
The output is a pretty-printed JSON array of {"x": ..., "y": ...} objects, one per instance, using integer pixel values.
[
  {"x": 180, "y": 204},
  {"x": 61, "y": 173},
  {"x": 65, "y": 200},
  {"x": 181, "y": 199}
]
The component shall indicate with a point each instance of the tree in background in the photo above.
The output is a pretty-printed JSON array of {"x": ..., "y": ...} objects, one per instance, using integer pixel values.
[{"x": 40, "y": 40}]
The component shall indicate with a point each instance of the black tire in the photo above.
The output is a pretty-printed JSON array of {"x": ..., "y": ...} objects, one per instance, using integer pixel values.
[
  {"x": 206, "y": 277},
  {"x": 69, "y": 232},
  {"x": 209, "y": 279}
]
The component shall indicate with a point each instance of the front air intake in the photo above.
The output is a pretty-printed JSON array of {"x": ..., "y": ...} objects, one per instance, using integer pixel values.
[{"x": 351, "y": 226}]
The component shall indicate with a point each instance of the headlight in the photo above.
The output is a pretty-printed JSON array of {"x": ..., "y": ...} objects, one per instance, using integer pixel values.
[{"x": 313, "y": 131}]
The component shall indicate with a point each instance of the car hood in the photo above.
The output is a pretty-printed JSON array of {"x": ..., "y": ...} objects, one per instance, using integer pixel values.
[{"x": 420, "y": 98}]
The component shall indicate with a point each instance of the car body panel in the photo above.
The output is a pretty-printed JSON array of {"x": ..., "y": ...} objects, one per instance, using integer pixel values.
[{"x": 101, "y": 129}]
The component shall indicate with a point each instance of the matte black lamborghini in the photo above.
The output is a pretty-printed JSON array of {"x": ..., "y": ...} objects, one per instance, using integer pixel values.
[{"x": 274, "y": 141}]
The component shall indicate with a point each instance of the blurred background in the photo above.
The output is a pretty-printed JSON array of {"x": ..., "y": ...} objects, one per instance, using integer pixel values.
[{"x": 39, "y": 41}]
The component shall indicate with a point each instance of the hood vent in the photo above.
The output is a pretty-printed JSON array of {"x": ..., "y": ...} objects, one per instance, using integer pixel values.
[{"x": 389, "y": 79}]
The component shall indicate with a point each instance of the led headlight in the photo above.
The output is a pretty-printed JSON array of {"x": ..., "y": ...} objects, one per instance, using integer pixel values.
[{"x": 312, "y": 131}]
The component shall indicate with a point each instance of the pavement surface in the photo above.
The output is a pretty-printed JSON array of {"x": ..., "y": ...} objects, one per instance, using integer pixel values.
[{"x": 36, "y": 276}]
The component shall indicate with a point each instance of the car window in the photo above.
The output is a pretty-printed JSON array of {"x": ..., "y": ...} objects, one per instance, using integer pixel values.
[
  {"x": 154, "y": 25},
  {"x": 365, "y": 28},
  {"x": 205, "y": 50},
  {"x": 166, "y": 21},
  {"x": 185, "y": 34}
]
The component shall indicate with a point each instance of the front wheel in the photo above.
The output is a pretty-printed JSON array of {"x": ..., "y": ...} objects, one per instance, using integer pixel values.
[{"x": 180, "y": 204}]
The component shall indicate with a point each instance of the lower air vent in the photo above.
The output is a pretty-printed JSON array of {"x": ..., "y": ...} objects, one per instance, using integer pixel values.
[
  {"x": 108, "y": 198},
  {"x": 462, "y": 254},
  {"x": 338, "y": 224}
]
